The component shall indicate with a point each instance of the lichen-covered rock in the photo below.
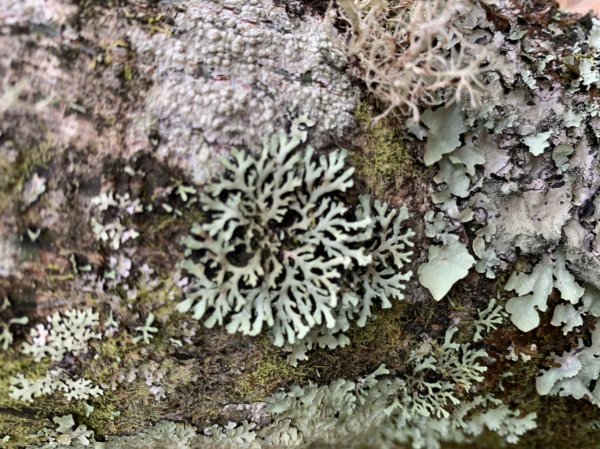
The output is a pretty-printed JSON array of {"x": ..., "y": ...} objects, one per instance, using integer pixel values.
[{"x": 521, "y": 185}]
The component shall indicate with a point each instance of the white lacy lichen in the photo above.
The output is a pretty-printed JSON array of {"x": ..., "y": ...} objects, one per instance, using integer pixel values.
[
  {"x": 377, "y": 283},
  {"x": 488, "y": 319},
  {"x": 65, "y": 333},
  {"x": 422, "y": 409},
  {"x": 109, "y": 228},
  {"x": 67, "y": 434},
  {"x": 55, "y": 381},
  {"x": 146, "y": 331},
  {"x": 279, "y": 249}
]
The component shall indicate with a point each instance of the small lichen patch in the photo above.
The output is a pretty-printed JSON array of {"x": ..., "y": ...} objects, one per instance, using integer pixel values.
[
  {"x": 537, "y": 143},
  {"x": 445, "y": 265},
  {"x": 445, "y": 125}
]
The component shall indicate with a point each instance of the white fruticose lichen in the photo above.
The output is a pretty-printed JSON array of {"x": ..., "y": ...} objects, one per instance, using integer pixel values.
[
  {"x": 410, "y": 54},
  {"x": 279, "y": 249}
]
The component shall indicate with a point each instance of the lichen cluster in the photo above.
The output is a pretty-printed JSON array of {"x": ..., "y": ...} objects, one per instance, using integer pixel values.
[
  {"x": 65, "y": 334},
  {"x": 279, "y": 248},
  {"x": 519, "y": 178},
  {"x": 434, "y": 402}
]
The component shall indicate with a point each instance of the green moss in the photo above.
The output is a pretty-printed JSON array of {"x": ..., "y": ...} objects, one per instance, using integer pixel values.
[
  {"x": 266, "y": 371},
  {"x": 22, "y": 421},
  {"x": 383, "y": 333},
  {"x": 21, "y": 428},
  {"x": 384, "y": 339},
  {"x": 17, "y": 420},
  {"x": 383, "y": 161},
  {"x": 130, "y": 406},
  {"x": 14, "y": 175},
  {"x": 125, "y": 410}
]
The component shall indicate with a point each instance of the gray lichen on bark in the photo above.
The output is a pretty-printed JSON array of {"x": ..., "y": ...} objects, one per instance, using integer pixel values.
[{"x": 111, "y": 119}]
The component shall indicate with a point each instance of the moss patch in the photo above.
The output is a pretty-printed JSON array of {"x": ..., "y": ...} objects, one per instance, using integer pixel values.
[
  {"x": 14, "y": 175},
  {"x": 383, "y": 161},
  {"x": 265, "y": 372},
  {"x": 384, "y": 339},
  {"x": 19, "y": 420}
]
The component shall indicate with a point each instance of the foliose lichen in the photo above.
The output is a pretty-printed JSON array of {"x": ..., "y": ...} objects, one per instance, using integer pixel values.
[
  {"x": 527, "y": 153},
  {"x": 280, "y": 249},
  {"x": 575, "y": 372},
  {"x": 55, "y": 381},
  {"x": 432, "y": 403},
  {"x": 65, "y": 333}
]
